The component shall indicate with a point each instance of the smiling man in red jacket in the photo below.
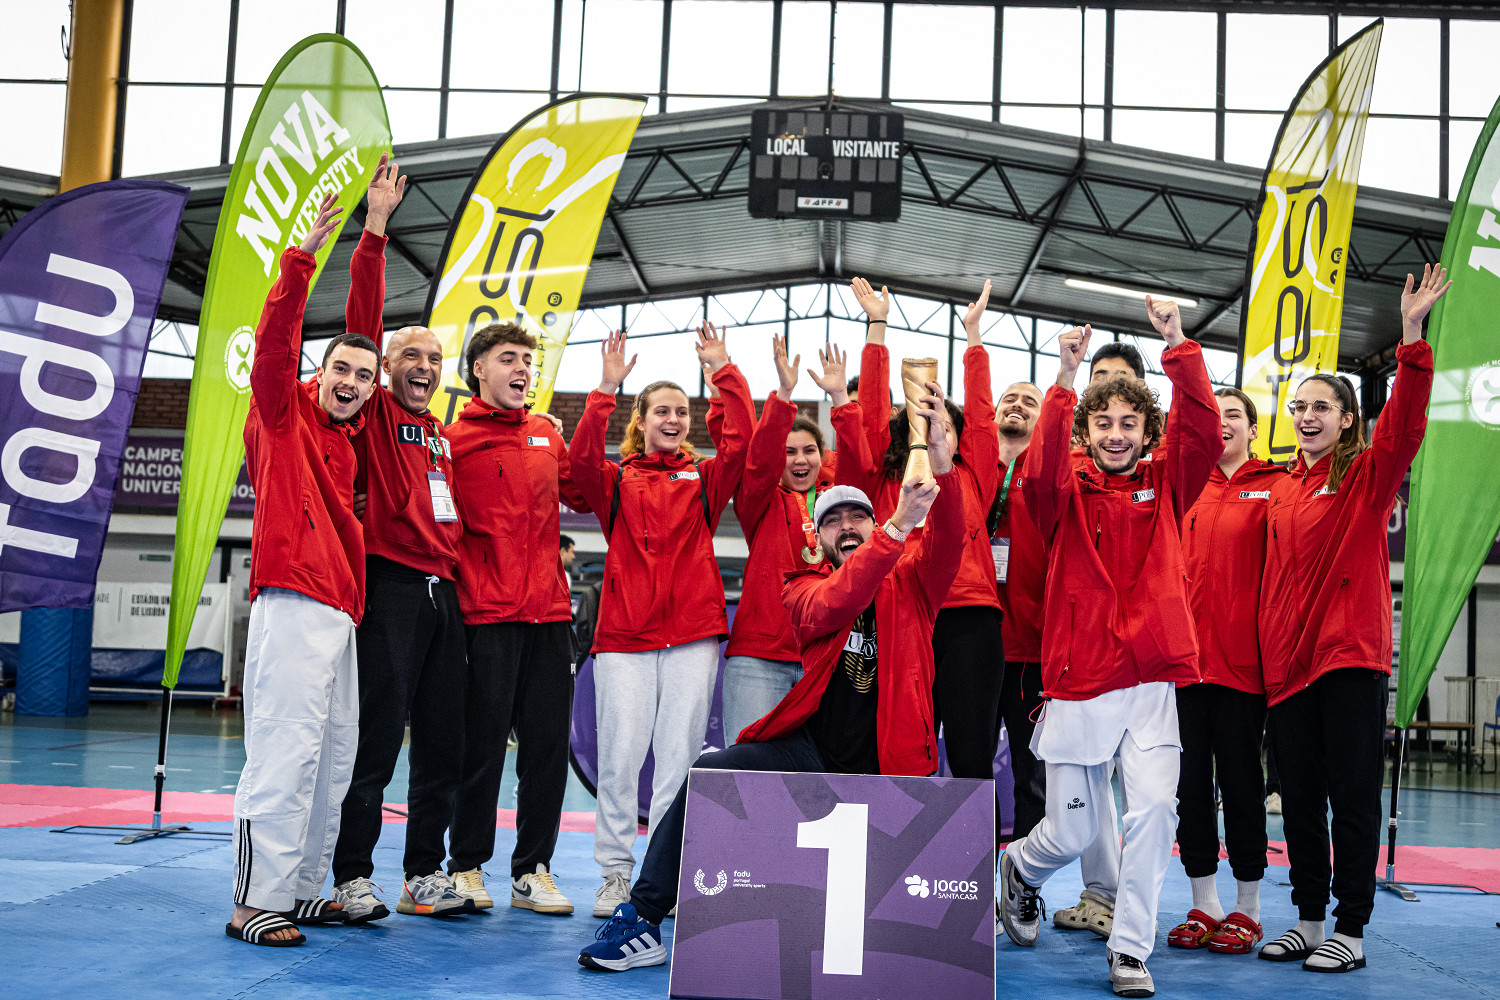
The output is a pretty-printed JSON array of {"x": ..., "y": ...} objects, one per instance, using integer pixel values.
[
  {"x": 411, "y": 650},
  {"x": 864, "y": 705},
  {"x": 512, "y": 469},
  {"x": 1118, "y": 633},
  {"x": 307, "y": 582}
]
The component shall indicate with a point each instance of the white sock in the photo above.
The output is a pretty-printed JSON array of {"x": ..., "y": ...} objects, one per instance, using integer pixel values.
[
  {"x": 1248, "y": 899},
  {"x": 1206, "y": 896},
  {"x": 1312, "y": 932},
  {"x": 1354, "y": 944}
]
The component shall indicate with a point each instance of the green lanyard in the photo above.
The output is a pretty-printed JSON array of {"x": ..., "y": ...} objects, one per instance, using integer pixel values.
[{"x": 1010, "y": 470}]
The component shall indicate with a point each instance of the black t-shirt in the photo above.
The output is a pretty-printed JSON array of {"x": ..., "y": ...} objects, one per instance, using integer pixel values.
[{"x": 843, "y": 727}]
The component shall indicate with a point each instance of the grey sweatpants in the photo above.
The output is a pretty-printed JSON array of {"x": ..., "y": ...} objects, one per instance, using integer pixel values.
[
  {"x": 301, "y": 693},
  {"x": 657, "y": 700}
]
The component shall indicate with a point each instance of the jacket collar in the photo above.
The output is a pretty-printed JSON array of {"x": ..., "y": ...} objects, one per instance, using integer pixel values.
[
  {"x": 659, "y": 460},
  {"x": 478, "y": 409},
  {"x": 1252, "y": 468}
]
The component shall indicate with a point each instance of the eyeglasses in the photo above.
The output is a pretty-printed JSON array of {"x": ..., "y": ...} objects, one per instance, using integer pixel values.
[{"x": 1321, "y": 407}]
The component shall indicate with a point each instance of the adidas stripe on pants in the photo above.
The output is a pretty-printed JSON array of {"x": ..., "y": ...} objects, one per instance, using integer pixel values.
[{"x": 301, "y": 700}]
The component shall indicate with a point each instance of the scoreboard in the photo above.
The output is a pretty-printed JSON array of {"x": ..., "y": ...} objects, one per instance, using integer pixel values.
[{"x": 825, "y": 165}]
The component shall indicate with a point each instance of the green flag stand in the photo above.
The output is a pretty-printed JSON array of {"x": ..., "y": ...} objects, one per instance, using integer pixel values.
[
  {"x": 135, "y": 834},
  {"x": 1389, "y": 883}
]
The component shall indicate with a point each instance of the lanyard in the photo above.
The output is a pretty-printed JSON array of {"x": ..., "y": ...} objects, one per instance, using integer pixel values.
[{"x": 1010, "y": 470}]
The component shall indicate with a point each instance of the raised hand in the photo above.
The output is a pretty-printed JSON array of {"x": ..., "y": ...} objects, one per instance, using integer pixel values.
[
  {"x": 328, "y": 221},
  {"x": 935, "y": 411},
  {"x": 384, "y": 195},
  {"x": 876, "y": 307},
  {"x": 1417, "y": 302},
  {"x": 1167, "y": 320},
  {"x": 712, "y": 350},
  {"x": 975, "y": 314},
  {"x": 1072, "y": 348},
  {"x": 615, "y": 368},
  {"x": 708, "y": 381},
  {"x": 832, "y": 381},
  {"x": 916, "y": 500},
  {"x": 786, "y": 371}
]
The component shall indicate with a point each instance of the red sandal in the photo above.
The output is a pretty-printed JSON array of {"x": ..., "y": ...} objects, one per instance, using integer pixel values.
[
  {"x": 1193, "y": 932},
  {"x": 1237, "y": 935}
]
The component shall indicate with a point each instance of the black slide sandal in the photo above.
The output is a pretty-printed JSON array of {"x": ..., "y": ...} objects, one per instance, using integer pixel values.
[
  {"x": 1338, "y": 951},
  {"x": 1291, "y": 947},
  {"x": 314, "y": 911},
  {"x": 263, "y": 923}
]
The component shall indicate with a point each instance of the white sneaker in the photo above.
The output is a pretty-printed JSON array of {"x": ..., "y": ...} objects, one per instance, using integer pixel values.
[
  {"x": 1128, "y": 976},
  {"x": 1021, "y": 909},
  {"x": 614, "y": 891},
  {"x": 432, "y": 896},
  {"x": 471, "y": 884},
  {"x": 361, "y": 905},
  {"x": 1092, "y": 913},
  {"x": 538, "y": 893}
]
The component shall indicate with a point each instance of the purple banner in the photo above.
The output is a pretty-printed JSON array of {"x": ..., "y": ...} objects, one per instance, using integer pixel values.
[
  {"x": 81, "y": 276},
  {"x": 835, "y": 887},
  {"x": 151, "y": 475}
]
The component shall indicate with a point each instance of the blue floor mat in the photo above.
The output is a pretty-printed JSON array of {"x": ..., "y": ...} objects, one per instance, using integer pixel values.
[{"x": 83, "y": 917}]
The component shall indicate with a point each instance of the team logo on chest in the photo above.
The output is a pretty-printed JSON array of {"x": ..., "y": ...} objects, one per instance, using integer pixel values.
[
  {"x": 1255, "y": 494},
  {"x": 1140, "y": 496}
]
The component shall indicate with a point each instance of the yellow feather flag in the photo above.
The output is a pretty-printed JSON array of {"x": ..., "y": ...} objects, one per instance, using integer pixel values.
[
  {"x": 520, "y": 244},
  {"x": 1295, "y": 274}
]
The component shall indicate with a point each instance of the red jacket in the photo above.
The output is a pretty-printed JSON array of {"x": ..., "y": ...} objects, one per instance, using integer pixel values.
[
  {"x": 977, "y": 464},
  {"x": 305, "y": 537},
  {"x": 772, "y": 519},
  {"x": 1025, "y": 576},
  {"x": 906, "y": 584},
  {"x": 662, "y": 586},
  {"x": 1224, "y": 549},
  {"x": 1116, "y": 593},
  {"x": 1327, "y": 589},
  {"x": 397, "y": 449},
  {"x": 514, "y": 469}
]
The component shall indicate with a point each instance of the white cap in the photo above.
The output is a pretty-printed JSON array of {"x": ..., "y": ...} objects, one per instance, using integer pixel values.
[{"x": 840, "y": 495}]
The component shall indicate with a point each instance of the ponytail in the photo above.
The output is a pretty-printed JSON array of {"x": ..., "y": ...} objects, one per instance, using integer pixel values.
[
  {"x": 1352, "y": 440},
  {"x": 635, "y": 431}
]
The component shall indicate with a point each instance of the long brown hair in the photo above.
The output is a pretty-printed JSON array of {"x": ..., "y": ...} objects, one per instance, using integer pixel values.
[
  {"x": 1352, "y": 439},
  {"x": 635, "y": 431}
]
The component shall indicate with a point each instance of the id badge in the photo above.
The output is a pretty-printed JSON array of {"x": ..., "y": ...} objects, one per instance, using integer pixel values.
[
  {"x": 442, "y": 500},
  {"x": 1000, "y": 550}
]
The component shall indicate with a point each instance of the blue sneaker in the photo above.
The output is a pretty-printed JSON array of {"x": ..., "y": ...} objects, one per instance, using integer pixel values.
[{"x": 626, "y": 941}]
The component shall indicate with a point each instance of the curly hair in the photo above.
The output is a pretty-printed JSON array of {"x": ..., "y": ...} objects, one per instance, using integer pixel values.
[
  {"x": 635, "y": 431},
  {"x": 1133, "y": 393},
  {"x": 900, "y": 446},
  {"x": 492, "y": 336}
]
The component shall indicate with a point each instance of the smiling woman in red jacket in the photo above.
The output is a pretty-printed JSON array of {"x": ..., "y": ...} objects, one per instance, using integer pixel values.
[
  {"x": 1325, "y": 636},
  {"x": 1223, "y": 719},
  {"x": 661, "y": 608}
]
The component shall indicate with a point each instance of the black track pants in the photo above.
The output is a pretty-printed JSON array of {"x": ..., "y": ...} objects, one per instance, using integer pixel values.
[
  {"x": 970, "y": 668},
  {"x": 1221, "y": 731},
  {"x": 1020, "y": 698},
  {"x": 1329, "y": 745},
  {"x": 521, "y": 677},
  {"x": 411, "y": 665}
]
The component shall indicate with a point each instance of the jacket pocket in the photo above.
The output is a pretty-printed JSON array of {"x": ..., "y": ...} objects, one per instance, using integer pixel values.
[{"x": 1091, "y": 635}]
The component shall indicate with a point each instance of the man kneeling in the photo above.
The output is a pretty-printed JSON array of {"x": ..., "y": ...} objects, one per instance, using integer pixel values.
[{"x": 864, "y": 620}]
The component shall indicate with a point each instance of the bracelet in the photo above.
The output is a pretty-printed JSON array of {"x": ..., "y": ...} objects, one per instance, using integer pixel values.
[
  {"x": 869, "y": 321},
  {"x": 896, "y": 533}
]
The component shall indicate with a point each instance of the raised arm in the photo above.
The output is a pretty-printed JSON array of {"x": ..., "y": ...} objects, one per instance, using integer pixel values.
[
  {"x": 941, "y": 548},
  {"x": 591, "y": 473},
  {"x": 765, "y": 463},
  {"x": 980, "y": 444},
  {"x": 875, "y": 369},
  {"x": 1403, "y": 421},
  {"x": 278, "y": 335},
  {"x": 819, "y": 604},
  {"x": 721, "y": 474},
  {"x": 1049, "y": 466},
  {"x": 715, "y": 419},
  {"x": 846, "y": 419},
  {"x": 1194, "y": 436},
  {"x": 362, "y": 311}
]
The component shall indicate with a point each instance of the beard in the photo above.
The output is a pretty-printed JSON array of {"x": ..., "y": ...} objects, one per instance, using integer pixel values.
[
  {"x": 1013, "y": 430},
  {"x": 832, "y": 552}
]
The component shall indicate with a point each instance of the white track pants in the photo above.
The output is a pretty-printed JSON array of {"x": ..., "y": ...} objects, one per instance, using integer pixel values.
[
  {"x": 1080, "y": 802},
  {"x": 1100, "y": 864},
  {"x": 301, "y": 692},
  {"x": 657, "y": 700}
]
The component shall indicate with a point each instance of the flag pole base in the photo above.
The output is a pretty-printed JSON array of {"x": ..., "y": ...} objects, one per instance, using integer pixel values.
[
  {"x": 135, "y": 834},
  {"x": 1403, "y": 889}
]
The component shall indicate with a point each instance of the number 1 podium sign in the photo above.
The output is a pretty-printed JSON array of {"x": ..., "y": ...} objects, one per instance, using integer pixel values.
[{"x": 835, "y": 887}]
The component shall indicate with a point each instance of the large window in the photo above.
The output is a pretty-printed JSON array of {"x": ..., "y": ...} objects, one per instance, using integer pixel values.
[{"x": 1212, "y": 83}]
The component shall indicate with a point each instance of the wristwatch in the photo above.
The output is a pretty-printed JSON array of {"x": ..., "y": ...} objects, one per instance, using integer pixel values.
[{"x": 896, "y": 533}]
